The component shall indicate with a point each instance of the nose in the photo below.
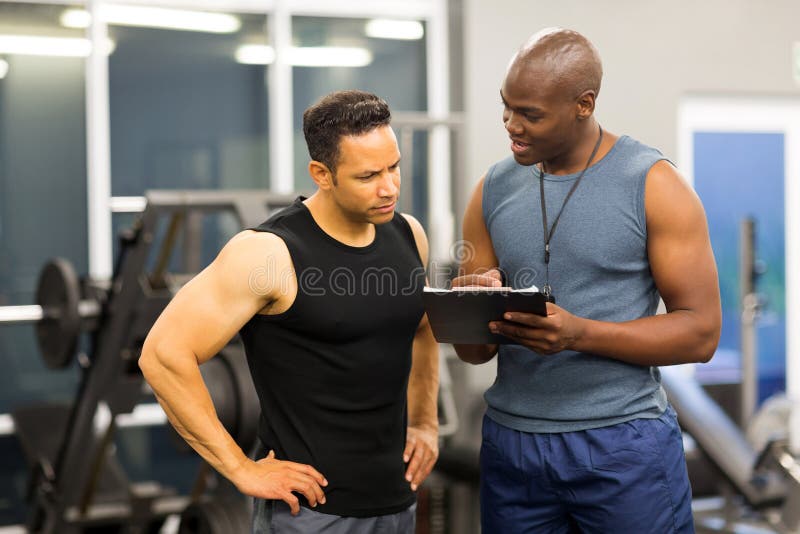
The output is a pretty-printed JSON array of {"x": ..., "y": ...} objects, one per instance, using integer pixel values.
[
  {"x": 389, "y": 185},
  {"x": 511, "y": 123}
]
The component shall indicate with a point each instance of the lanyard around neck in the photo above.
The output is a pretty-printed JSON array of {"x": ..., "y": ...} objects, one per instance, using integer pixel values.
[{"x": 548, "y": 235}]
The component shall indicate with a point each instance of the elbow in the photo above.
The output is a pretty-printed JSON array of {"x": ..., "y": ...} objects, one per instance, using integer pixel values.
[
  {"x": 475, "y": 354},
  {"x": 148, "y": 360},
  {"x": 708, "y": 339}
]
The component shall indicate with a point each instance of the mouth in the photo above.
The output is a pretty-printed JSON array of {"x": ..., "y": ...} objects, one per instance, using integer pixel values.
[
  {"x": 518, "y": 147},
  {"x": 386, "y": 208}
]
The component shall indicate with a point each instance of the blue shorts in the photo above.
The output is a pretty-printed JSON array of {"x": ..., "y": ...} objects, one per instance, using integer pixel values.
[{"x": 625, "y": 478}]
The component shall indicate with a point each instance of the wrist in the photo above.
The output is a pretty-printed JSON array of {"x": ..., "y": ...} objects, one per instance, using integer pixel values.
[
  {"x": 427, "y": 425},
  {"x": 238, "y": 472},
  {"x": 581, "y": 336}
]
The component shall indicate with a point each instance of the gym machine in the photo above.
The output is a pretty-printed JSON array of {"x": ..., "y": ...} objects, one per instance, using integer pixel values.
[
  {"x": 760, "y": 471},
  {"x": 76, "y": 482}
]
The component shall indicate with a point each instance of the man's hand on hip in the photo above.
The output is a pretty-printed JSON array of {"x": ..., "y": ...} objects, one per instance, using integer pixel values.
[{"x": 269, "y": 478}]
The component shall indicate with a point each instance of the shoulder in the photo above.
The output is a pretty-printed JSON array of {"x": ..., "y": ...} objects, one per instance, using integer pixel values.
[
  {"x": 418, "y": 232},
  {"x": 249, "y": 250},
  {"x": 669, "y": 199},
  {"x": 663, "y": 178},
  {"x": 638, "y": 154},
  {"x": 504, "y": 180},
  {"x": 502, "y": 168}
]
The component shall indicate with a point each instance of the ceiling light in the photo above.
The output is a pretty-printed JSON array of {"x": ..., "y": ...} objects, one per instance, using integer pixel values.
[
  {"x": 37, "y": 45},
  {"x": 308, "y": 56},
  {"x": 3, "y": 68},
  {"x": 155, "y": 17},
  {"x": 253, "y": 54},
  {"x": 407, "y": 30},
  {"x": 329, "y": 56},
  {"x": 75, "y": 18}
]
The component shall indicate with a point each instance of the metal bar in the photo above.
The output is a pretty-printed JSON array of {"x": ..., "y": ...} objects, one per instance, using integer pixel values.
[
  {"x": 165, "y": 254},
  {"x": 127, "y": 204},
  {"x": 407, "y": 169},
  {"x": 97, "y": 467},
  {"x": 424, "y": 121},
  {"x": 193, "y": 242},
  {"x": 33, "y": 313},
  {"x": 441, "y": 221},
  {"x": 214, "y": 200},
  {"x": 98, "y": 149},
  {"x": 20, "y": 314},
  {"x": 279, "y": 76},
  {"x": 749, "y": 309}
]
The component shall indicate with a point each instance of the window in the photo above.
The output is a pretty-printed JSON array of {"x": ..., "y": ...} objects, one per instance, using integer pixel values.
[
  {"x": 43, "y": 210},
  {"x": 392, "y": 68}
]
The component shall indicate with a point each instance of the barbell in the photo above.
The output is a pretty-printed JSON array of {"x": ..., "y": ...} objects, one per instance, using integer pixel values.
[{"x": 60, "y": 313}]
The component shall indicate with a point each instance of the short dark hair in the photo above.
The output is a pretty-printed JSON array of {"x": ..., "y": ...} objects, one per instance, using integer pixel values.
[{"x": 339, "y": 114}]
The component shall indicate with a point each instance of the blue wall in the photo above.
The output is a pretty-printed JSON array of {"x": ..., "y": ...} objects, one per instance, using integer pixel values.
[{"x": 740, "y": 175}]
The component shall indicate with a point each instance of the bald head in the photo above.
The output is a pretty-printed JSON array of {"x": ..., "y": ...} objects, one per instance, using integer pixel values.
[{"x": 566, "y": 58}]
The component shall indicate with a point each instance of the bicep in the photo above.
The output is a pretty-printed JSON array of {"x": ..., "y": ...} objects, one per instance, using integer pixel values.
[
  {"x": 209, "y": 310},
  {"x": 477, "y": 250},
  {"x": 678, "y": 244}
]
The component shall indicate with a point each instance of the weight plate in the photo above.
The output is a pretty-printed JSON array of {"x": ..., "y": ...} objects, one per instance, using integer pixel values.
[
  {"x": 217, "y": 514},
  {"x": 218, "y": 376},
  {"x": 58, "y": 293}
]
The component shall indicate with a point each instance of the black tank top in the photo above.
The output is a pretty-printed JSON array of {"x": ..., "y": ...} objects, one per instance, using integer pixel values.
[{"x": 332, "y": 371}]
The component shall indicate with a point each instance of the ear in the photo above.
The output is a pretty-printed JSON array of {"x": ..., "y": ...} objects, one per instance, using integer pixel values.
[
  {"x": 585, "y": 104},
  {"x": 321, "y": 175}
]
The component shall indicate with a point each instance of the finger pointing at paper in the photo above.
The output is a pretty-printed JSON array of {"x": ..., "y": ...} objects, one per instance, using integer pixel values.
[{"x": 491, "y": 278}]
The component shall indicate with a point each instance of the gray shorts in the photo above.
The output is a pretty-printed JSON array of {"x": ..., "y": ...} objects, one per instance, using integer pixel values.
[{"x": 274, "y": 517}]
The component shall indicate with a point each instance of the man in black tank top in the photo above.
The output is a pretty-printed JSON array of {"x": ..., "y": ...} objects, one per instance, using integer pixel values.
[{"x": 327, "y": 297}]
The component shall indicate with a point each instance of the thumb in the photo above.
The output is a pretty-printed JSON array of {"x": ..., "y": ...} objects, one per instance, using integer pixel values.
[{"x": 271, "y": 455}]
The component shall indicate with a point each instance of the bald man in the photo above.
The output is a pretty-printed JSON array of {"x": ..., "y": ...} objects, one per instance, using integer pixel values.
[{"x": 578, "y": 434}]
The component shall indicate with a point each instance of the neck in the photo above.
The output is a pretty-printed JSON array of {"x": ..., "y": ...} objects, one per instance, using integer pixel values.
[
  {"x": 336, "y": 223},
  {"x": 575, "y": 158}
]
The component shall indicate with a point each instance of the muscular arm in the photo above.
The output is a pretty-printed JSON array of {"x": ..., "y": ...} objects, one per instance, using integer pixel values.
[
  {"x": 202, "y": 317},
  {"x": 422, "y": 447},
  {"x": 478, "y": 264},
  {"x": 685, "y": 274}
]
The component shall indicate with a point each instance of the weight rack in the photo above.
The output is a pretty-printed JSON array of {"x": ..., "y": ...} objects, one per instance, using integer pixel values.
[{"x": 72, "y": 474}]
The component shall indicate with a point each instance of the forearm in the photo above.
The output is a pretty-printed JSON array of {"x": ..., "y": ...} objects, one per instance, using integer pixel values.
[
  {"x": 475, "y": 354},
  {"x": 423, "y": 382},
  {"x": 180, "y": 390},
  {"x": 680, "y": 336}
]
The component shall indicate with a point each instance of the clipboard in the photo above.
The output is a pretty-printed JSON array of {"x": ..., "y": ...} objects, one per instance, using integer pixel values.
[{"x": 462, "y": 315}]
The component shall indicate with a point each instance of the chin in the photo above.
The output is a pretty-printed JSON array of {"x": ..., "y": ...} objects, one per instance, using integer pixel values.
[
  {"x": 526, "y": 161},
  {"x": 382, "y": 218}
]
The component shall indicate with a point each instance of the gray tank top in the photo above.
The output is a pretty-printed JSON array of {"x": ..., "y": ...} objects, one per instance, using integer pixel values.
[{"x": 598, "y": 270}]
